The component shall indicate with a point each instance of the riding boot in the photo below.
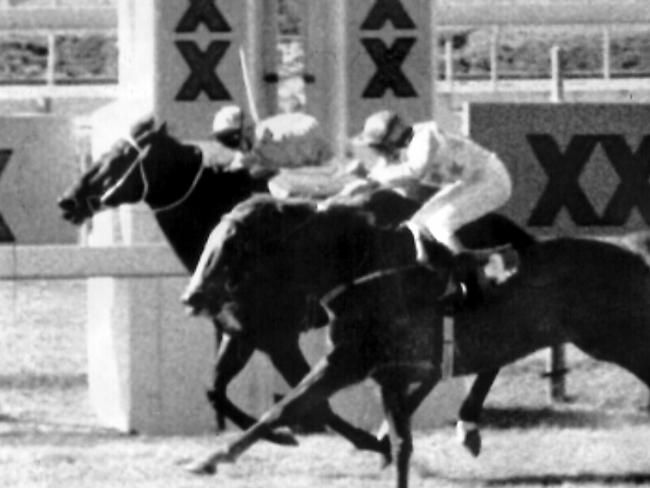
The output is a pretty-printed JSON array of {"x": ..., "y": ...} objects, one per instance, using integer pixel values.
[
  {"x": 465, "y": 272},
  {"x": 432, "y": 253}
]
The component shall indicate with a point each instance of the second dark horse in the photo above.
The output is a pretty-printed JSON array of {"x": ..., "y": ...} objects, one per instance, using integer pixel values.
[{"x": 188, "y": 200}]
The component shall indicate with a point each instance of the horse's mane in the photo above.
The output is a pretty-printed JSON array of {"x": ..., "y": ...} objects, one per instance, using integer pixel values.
[{"x": 142, "y": 125}]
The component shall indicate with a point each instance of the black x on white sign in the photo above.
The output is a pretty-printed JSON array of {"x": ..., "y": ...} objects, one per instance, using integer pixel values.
[
  {"x": 203, "y": 64},
  {"x": 388, "y": 59},
  {"x": 563, "y": 169}
]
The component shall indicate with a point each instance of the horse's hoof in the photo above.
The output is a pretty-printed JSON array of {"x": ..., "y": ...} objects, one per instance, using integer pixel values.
[
  {"x": 201, "y": 468},
  {"x": 473, "y": 442},
  {"x": 470, "y": 436},
  {"x": 385, "y": 451},
  {"x": 283, "y": 437}
]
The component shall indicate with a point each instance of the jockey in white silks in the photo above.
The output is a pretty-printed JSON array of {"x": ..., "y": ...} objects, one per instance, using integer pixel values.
[
  {"x": 285, "y": 140},
  {"x": 471, "y": 180}
]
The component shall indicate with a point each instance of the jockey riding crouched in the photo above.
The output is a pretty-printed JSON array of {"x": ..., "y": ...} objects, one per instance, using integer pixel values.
[
  {"x": 285, "y": 140},
  {"x": 471, "y": 180}
]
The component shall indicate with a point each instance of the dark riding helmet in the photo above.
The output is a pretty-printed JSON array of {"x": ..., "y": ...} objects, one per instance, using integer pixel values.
[
  {"x": 228, "y": 126},
  {"x": 385, "y": 131}
]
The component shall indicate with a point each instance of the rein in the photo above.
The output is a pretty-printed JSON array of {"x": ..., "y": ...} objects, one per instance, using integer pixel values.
[
  {"x": 145, "y": 181},
  {"x": 174, "y": 204}
]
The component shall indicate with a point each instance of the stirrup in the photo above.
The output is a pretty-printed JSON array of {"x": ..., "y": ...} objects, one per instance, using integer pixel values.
[{"x": 454, "y": 297}]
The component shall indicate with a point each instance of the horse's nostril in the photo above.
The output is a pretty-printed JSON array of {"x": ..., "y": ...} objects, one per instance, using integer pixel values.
[
  {"x": 66, "y": 203},
  {"x": 196, "y": 300}
]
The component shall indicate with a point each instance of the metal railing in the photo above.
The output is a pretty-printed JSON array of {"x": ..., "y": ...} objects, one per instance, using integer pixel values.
[
  {"x": 55, "y": 18},
  {"x": 448, "y": 59},
  {"x": 51, "y": 20}
]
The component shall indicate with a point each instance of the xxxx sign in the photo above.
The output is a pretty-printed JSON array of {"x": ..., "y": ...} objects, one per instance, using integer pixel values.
[
  {"x": 576, "y": 168},
  {"x": 196, "y": 61},
  {"x": 369, "y": 55},
  {"x": 389, "y": 58},
  {"x": 38, "y": 160}
]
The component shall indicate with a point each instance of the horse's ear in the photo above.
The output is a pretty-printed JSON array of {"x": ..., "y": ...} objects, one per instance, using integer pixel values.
[
  {"x": 162, "y": 130},
  {"x": 143, "y": 125}
]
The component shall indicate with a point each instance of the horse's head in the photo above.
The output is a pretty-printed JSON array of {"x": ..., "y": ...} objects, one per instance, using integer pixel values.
[
  {"x": 83, "y": 199},
  {"x": 249, "y": 246},
  {"x": 130, "y": 172}
]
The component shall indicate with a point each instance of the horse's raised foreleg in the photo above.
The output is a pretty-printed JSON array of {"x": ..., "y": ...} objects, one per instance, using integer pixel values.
[
  {"x": 234, "y": 353},
  {"x": 293, "y": 366},
  {"x": 470, "y": 411},
  {"x": 327, "y": 377}
]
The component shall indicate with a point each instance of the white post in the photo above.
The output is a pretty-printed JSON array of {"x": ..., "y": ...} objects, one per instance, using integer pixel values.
[
  {"x": 556, "y": 364},
  {"x": 557, "y": 87},
  {"x": 494, "y": 56},
  {"x": 449, "y": 64},
  {"x": 607, "y": 52},
  {"x": 262, "y": 53},
  {"x": 45, "y": 102}
]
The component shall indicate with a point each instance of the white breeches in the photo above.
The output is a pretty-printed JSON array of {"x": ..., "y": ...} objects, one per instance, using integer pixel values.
[{"x": 464, "y": 201}]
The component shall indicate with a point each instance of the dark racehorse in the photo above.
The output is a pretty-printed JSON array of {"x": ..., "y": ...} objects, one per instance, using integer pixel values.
[
  {"x": 188, "y": 200},
  {"x": 387, "y": 326}
]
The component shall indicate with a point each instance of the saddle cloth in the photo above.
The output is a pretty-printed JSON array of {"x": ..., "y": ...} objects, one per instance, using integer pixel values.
[{"x": 315, "y": 182}]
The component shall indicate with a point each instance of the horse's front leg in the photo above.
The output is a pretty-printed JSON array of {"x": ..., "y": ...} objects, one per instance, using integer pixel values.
[
  {"x": 293, "y": 366},
  {"x": 469, "y": 415},
  {"x": 234, "y": 352},
  {"x": 327, "y": 377},
  {"x": 398, "y": 411}
]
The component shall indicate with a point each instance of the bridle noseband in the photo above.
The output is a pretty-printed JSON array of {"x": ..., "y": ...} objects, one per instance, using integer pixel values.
[{"x": 139, "y": 161}]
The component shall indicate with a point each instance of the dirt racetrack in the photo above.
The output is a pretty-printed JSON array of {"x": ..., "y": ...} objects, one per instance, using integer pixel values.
[{"x": 50, "y": 438}]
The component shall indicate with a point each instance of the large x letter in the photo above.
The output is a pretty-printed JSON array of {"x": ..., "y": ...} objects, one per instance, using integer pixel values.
[
  {"x": 203, "y": 71},
  {"x": 563, "y": 171},
  {"x": 202, "y": 11},
  {"x": 5, "y": 232},
  {"x": 634, "y": 169},
  {"x": 388, "y": 62},
  {"x": 388, "y": 10}
]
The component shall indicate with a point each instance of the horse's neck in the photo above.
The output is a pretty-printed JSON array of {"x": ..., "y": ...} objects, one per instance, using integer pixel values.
[{"x": 188, "y": 225}]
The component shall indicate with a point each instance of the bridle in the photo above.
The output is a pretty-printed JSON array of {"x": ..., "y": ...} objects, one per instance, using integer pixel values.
[{"x": 145, "y": 180}]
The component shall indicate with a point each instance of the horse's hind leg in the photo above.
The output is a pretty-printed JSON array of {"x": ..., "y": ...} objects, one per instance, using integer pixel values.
[
  {"x": 293, "y": 366},
  {"x": 328, "y": 376},
  {"x": 470, "y": 411}
]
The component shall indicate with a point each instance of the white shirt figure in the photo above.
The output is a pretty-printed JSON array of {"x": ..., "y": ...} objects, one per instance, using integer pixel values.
[{"x": 471, "y": 180}]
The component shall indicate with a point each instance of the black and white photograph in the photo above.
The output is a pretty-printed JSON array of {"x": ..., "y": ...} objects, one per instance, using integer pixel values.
[{"x": 324, "y": 243}]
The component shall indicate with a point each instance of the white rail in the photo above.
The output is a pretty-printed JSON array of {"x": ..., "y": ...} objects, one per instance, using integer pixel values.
[
  {"x": 541, "y": 12},
  {"x": 25, "y": 262},
  {"x": 58, "y": 19}
]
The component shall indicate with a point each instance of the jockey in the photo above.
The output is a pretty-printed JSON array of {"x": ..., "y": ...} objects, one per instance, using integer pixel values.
[
  {"x": 471, "y": 180},
  {"x": 281, "y": 141}
]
